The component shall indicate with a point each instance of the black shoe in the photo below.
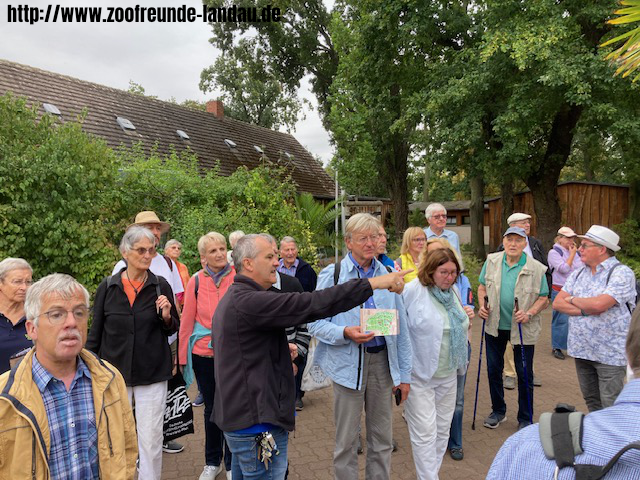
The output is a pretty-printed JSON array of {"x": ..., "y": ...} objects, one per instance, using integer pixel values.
[
  {"x": 360, "y": 449},
  {"x": 299, "y": 404},
  {"x": 456, "y": 453},
  {"x": 172, "y": 447},
  {"x": 558, "y": 354},
  {"x": 522, "y": 425},
  {"x": 493, "y": 420}
]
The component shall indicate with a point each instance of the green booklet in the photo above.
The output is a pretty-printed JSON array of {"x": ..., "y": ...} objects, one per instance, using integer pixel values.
[{"x": 379, "y": 321}]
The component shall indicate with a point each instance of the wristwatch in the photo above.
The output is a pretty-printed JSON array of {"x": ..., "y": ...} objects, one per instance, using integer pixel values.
[{"x": 530, "y": 315}]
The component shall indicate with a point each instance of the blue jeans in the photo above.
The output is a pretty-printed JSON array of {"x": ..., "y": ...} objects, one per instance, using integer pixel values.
[
  {"x": 245, "y": 463},
  {"x": 559, "y": 326},
  {"x": 455, "y": 433},
  {"x": 495, "y": 365}
]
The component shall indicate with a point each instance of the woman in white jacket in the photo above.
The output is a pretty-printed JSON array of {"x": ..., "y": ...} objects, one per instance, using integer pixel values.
[{"x": 438, "y": 325}]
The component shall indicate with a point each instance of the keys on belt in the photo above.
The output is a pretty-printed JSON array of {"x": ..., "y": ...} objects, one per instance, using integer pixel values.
[{"x": 267, "y": 447}]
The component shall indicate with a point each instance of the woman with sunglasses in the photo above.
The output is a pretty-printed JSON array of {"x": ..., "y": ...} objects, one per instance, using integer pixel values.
[{"x": 133, "y": 314}]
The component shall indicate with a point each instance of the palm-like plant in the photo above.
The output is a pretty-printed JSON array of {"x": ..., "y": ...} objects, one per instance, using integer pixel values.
[
  {"x": 320, "y": 217},
  {"x": 628, "y": 55}
]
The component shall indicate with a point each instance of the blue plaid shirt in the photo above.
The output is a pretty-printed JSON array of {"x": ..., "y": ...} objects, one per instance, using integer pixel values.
[
  {"x": 604, "y": 433},
  {"x": 288, "y": 271},
  {"x": 72, "y": 423}
]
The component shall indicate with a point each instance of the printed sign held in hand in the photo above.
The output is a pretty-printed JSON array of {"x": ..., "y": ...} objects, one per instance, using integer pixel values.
[{"x": 379, "y": 321}]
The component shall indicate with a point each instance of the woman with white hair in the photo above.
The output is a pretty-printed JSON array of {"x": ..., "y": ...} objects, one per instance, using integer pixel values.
[
  {"x": 202, "y": 296},
  {"x": 15, "y": 279},
  {"x": 133, "y": 315},
  {"x": 233, "y": 239},
  {"x": 173, "y": 250}
]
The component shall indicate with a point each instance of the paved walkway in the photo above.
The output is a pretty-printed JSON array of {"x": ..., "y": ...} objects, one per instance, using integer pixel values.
[{"x": 311, "y": 446}]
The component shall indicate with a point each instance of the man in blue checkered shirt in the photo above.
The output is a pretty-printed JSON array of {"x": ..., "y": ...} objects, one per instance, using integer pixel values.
[
  {"x": 604, "y": 433},
  {"x": 64, "y": 412}
]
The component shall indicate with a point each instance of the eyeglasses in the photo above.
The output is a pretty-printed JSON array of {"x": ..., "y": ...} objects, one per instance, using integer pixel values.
[
  {"x": 363, "y": 240},
  {"x": 453, "y": 273},
  {"x": 419, "y": 240},
  {"x": 141, "y": 251},
  {"x": 588, "y": 245},
  {"x": 439, "y": 217},
  {"x": 17, "y": 283},
  {"x": 59, "y": 315}
]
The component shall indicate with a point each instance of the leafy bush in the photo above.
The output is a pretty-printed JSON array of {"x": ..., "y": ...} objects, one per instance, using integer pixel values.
[
  {"x": 629, "y": 253},
  {"x": 57, "y": 193}
]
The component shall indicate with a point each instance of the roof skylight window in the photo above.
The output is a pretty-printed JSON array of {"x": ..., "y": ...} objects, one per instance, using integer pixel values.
[
  {"x": 51, "y": 108},
  {"x": 230, "y": 143},
  {"x": 182, "y": 134},
  {"x": 258, "y": 149},
  {"x": 125, "y": 123}
]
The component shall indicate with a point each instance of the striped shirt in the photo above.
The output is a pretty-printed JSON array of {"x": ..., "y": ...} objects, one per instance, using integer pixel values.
[
  {"x": 72, "y": 423},
  {"x": 604, "y": 433}
]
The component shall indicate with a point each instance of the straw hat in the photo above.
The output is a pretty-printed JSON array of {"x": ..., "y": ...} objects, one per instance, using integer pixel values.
[{"x": 147, "y": 217}]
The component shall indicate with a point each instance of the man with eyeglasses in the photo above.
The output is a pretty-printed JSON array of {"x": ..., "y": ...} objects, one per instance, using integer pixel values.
[
  {"x": 599, "y": 299},
  {"x": 161, "y": 266},
  {"x": 64, "y": 412},
  {"x": 436, "y": 216},
  {"x": 365, "y": 369}
]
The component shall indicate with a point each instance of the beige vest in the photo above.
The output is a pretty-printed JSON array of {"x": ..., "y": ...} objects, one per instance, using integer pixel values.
[{"x": 527, "y": 291}]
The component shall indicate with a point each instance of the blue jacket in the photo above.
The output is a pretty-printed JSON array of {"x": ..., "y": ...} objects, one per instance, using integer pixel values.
[{"x": 341, "y": 359}]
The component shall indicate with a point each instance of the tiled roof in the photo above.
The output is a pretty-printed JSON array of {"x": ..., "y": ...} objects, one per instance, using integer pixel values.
[{"x": 156, "y": 124}]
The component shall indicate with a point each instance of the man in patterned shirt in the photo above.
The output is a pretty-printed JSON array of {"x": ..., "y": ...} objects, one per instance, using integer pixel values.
[
  {"x": 64, "y": 412},
  {"x": 599, "y": 299},
  {"x": 604, "y": 433}
]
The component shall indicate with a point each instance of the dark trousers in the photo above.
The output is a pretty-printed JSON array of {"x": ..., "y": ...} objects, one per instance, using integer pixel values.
[
  {"x": 214, "y": 438},
  {"x": 495, "y": 365},
  {"x": 299, "y": 392}
]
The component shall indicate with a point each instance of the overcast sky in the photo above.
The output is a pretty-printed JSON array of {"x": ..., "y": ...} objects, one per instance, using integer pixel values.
[{"x": 165, "y": 58}]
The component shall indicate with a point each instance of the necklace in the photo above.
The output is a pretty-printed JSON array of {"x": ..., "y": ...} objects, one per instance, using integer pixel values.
[{"x": 144, "y": 279}]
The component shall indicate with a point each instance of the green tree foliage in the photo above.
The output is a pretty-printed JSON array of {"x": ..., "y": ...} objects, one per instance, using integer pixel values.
[
  {"x": 258, "y": 200},
  {"x": 58, "y": 195},
  {"x": 251, "y": 90}
]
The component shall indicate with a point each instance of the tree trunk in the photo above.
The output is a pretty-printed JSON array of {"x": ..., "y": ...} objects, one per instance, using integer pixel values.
[
  {"x": 634, "y": 199},
  {"x": 396, "y": 166},
  {"x": 506, "y": 192},
  {"x": 476, "y": 211},
  {"x": 544, "y": 181},
  {"x": 427, "y": 181}
]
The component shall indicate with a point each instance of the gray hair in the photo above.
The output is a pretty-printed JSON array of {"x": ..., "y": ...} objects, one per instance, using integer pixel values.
[
  {"x": 234, "y": 237},
  {"x": 211, "y": 237},
  {"x": 245, "y": 248},
  {"x": 59, "y": 284},
  {"x": 10, "y": 264},
  {"x": 270, "y": 238},
  {"x": 171, "y": 243},
  {"x": 133, "y": 236},
  {"x": 361, "y": 222},
  {"x": 288, "y": 239},
  {"x": 433, "y": 208}
]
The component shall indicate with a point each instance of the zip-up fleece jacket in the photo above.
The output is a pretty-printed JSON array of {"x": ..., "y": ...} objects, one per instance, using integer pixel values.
[
  {"x": 527, "y": 291},
  {"x": 24, "y": 429},
  {"x": 253, "y": 372}
]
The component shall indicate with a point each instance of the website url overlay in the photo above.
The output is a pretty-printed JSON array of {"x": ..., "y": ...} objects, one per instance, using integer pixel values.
[{"x": 138, "y": 14}]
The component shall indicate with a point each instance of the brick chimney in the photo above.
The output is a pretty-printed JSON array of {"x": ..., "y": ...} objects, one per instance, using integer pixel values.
[{"x": 215, "y": 107}]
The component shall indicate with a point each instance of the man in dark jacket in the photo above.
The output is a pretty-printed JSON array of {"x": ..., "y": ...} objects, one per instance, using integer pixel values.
[
  {"x": 293, "y": 265},
  {"x": 255, "y": 397}
]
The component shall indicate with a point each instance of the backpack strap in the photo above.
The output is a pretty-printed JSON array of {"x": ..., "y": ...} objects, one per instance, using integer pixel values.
[
  {"x": 336, "y": 272},
  {"x": 609, "y": 277},
  {"x": 197, "y": 284},
  {"x": 169, "y": 262},
  {"x": 561, "y": 436}
]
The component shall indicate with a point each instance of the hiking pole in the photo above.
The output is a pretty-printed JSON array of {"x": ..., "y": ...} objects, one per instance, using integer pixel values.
[
  {"x": 524, "y": 367},
  {"x": 475, "y": 404}
]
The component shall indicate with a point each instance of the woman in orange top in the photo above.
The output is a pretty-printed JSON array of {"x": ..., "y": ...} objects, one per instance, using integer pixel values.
[{"x": 202, "y": 296}]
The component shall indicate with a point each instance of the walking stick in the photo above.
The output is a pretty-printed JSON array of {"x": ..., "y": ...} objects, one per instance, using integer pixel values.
[
  {"x": 524, "y": 367},
  {"x": 475, "y": 404}
]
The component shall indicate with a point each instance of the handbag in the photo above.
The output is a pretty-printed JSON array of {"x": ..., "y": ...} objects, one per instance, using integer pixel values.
[
  {"x": 313, "y": 378},
  {"x": 178, "y": 412}
]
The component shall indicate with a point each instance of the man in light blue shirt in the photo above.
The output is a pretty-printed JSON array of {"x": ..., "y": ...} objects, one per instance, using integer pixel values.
[
  {"x": 436, "y": 215},
  {"x": 365, "y": 369},
  {"x": 604, "y": 433}
]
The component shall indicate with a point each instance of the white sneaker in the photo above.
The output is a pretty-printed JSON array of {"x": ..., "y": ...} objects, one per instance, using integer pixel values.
[{"x": 210, "y": 472}]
